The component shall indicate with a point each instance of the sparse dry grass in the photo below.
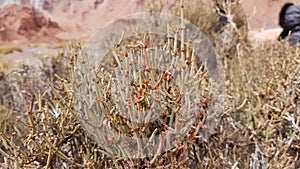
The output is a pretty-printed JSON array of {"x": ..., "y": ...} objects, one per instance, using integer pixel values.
[
  {"x": 58, "y": 45},
  {"x": 4, "y": 65},
  {"x": 11, "y": 49}
]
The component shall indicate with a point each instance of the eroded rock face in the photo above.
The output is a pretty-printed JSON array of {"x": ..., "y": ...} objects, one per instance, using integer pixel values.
[{"x": 22, "y": 22}]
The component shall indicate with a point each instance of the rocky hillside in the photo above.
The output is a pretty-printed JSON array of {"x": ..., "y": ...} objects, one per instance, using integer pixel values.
[{"x": 21, "y": 23}]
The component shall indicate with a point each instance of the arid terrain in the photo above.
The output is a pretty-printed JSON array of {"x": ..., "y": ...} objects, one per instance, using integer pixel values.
[
  {"x": 27, "y": 22},
  {"x": 75, "y": 19}
]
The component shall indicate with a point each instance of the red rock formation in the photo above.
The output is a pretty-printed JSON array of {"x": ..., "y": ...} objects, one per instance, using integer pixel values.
[{"x": 21, "y": 22}]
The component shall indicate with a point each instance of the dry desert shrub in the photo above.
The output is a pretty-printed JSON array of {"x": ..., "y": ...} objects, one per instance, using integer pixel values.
[{"x": 259, "y": 127}]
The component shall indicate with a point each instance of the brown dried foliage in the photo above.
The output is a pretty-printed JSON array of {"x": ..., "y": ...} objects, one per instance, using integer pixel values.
[{"x": 259, "y": 129}]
